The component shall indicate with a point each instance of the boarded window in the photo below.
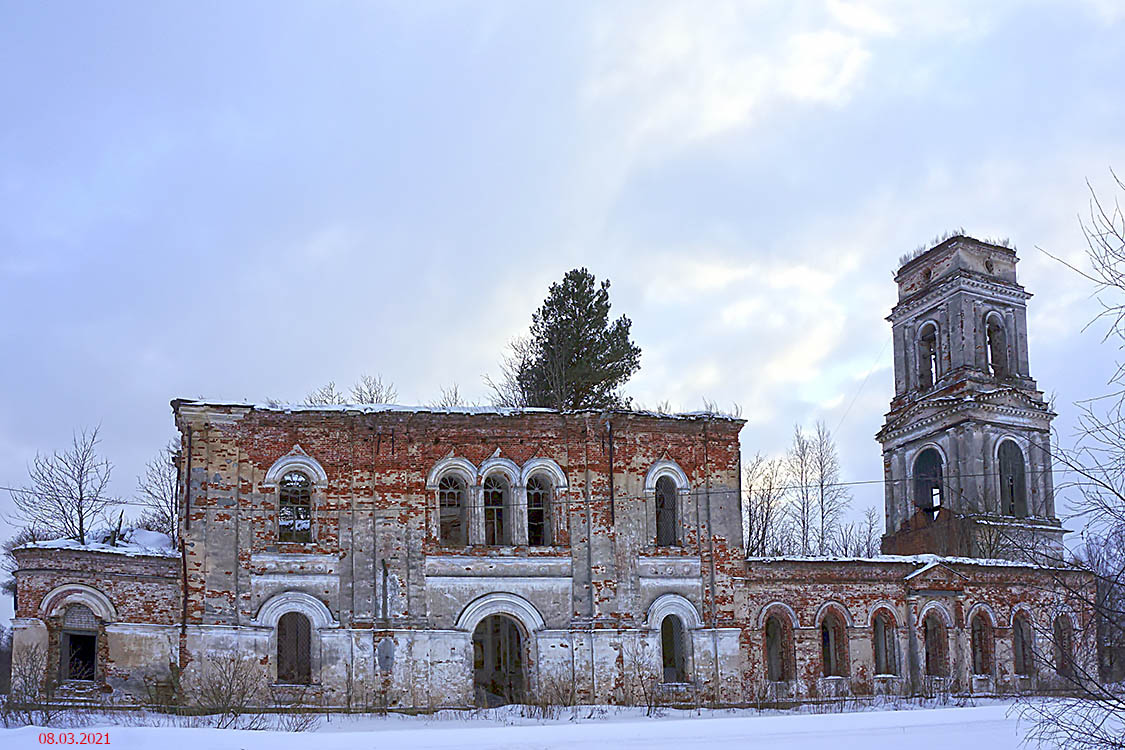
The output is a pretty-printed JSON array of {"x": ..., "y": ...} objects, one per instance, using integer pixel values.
[
  {"x": 1023, "y": 651},
  {"x": 981, "y": 637},
  {"x": 495, "y": 505},
  {"x": 538, "y": 511},
  {"x": 666, "y": 522},
  {"x": 927, "y": 357},
  {"x": 933, "y": 632},
  {"x": 672, "y": 648},
  {"x": 1013, "y": 487},
  {"x": 928, "y": 492},
  {"x": 294, "y": 522},
  {"x": 294, "y": 665},
  {"x": 833, "y": 646},
  {"x": 451, "y": 512},
  {"x": 886, "y": 650}
]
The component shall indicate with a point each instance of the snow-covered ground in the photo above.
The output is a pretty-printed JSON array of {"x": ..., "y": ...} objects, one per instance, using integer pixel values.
[{"x": 996, "y": 726}]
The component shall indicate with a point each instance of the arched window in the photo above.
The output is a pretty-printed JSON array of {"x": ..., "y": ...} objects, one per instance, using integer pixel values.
[
  {"x": 996, "y": 346},
  {"x": 886, "y": 649},
  {"x": 78, "y": 644},
  {"x": 451, "y": 511},
  {"x": 1063, "y": 635},
  {"x": 496, "y": 531},
  {"x": 294, "y": 665},
  {"x": 1013, "y": 487},
  {"x": 933, "y": 632},
  {"x": 539, "y": 532},
  {"x": 927, "y": 357},
  {"x": 294, "y": 508},
  {"x": 928, "y": 493},
  {"x": 833, "y": 646},
  {"x": 666, "y": 521},
  {"x": 779, "y": 646},
  {"x": 672, "y": 649},
  {"x": 1023, "y": 650},
  {"x": 981, "y": 643}
]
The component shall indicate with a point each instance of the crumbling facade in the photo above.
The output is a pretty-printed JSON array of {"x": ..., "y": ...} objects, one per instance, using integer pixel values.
[{"x": 369, "y": 556}]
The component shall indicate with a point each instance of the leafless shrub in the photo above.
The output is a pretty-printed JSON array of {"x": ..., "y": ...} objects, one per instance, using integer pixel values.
[
  {"x": 29, "y": 700},
  {"x": 231, "y": 690},
  {"x": 641, "y": 676}
]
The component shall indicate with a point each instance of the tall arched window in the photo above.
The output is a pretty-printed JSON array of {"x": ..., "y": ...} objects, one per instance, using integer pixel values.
[
  {"x": 833, "y": 646},
  {"x": 1023, "y": 650},
  {"x": 294, "y": 508},
  {"x": 451, "y": 512},
  {"x": 1013, "y": 486},
  {"x": 933, "y": 633},
  {"x": 996, "y": 346},
  {"x": 496, "y": 525},
  {"x": 294, "y": 663},
  {"x": 778, "y": 648},
  {"x": 928, "y": 370},
  {"x": 886, "y": 650},
  {"x": 539, "y": 532},
  {"x": 1063, "y": 636},
  {"x": 667, "y": 524},
  {"x": 928, "y": 494},
  {"x": 672, "y": 649},
  {"x": 981, "y": 643}
]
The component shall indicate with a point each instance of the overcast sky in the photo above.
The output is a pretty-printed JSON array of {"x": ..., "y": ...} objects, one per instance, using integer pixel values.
[{"x": 245, "y": 200}]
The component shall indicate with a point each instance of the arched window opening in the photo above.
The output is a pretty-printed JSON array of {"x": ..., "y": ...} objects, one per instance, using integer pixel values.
[
  {"x": 666, "y": 520},
  {"x": 294, "y": 508},
  {"x": 672, "y": 649},
  {"x": 996, "y": 347},
  {"x": 496, "y": 531},
  {"x": 294, "y": 664},
  {"x": 778, "y": 650},
  {"x": 935, "y": 642},
  {"x": 1023, "y": 652},
  {"x": 928, "y": 494},
  {"x": 981, "y": 643},
  {"x": 927, "y": 357},
  {"x": 833, "y": 646},
  {"x": 78, "y": 644},
  {"x": 1064, "y": 646},
  {"x": 1013, "y": 486},
  {"x": 886, "y": 651},
  {"x": 539, "y": 532},
  {"x": 451, "y": 512}
]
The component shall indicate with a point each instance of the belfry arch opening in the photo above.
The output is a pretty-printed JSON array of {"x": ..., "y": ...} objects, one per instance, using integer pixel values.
[
  {"x": 927, "y": 357},
  {"x": 1013, "y": 482},
  {"x": 996, "y": 346},
  {"x": 928, "y": 481},
  {"x": 499, "y": 661}
]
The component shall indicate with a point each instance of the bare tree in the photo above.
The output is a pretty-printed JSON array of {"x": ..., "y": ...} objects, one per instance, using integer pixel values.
[
  {"x": 157, "y": 493},
  {"x": 765, "y": 497},
  {"x": 326, "y": 395},
  {"x": 801, "y": 506},
  {"x": 27, "y": 534},
  {"x": 859, "y": 538},
  {"x": 370, "y": 389},
  {"x": 832, "y": 499},
  {"x": 68, "y": 491},
  {"x": 450, "y": 398},
  {"x": 507, "y": 391}
]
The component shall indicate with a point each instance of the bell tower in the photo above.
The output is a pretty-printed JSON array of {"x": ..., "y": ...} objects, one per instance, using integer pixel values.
[{"x": 966, "y": 443}]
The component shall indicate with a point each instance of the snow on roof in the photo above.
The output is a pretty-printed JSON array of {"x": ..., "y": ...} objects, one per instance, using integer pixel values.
[
  {"x": 925, "y": 561},
  {"x": 132, "y": 542},
  {"x": 503, "y": 411}
]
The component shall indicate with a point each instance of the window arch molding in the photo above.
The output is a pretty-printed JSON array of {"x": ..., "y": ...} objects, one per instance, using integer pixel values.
[
  {"x": 942, "y": 613},
  {"x": 986, "y": 610},
  {"x": 838, "y": 608},
  {"x": 1063, "y": 610},
  {"x": 463, "y": 468},
  {"x": 501, "y": 603},
  {"x": 295, "y": 601},
  {"x": 59, "y": 598},
  {"x": 1023, "y": 610},
  {"x": 884, "y": 606},
  {"x": 666, "y": 468},
  {"x": 673, "y": 604},
  {"x": 296, "y": 460},
  {"x": 504, "y": 466},
  {"x": 544, "y": 466},
  {"x": 780, "y": 608}
]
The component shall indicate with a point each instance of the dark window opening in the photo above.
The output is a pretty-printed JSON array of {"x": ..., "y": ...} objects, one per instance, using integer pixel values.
[
  {"x": 1064, "y": 647},
  {"x": 672, "y": 649},
  {"x": 981, "y": 637},
  {"x": 777, "y": 650},
  {"x": 538, "y": 512},
  {"x": 294, "y": 665},
  {"x": 451, "y": 512},
  {"x": 78, "y": 644},
  {"x": 1023, "y": 652},
  {"x": 996, "y": 347},
  {"x": 928, "y": 494},
  {"x": 1013, "y": 485},
  {"x": 495, "y": 503},
  {"x": 294, "y": 520},
  {"x": 498, "y": 658},
  {"x": 833, "y": 646},
  {"x": 886, "y": 650},
  {"x": 928, "y": 357},
  {"x": 666, "y": 521},
  {"x": 933, "y": 630}
]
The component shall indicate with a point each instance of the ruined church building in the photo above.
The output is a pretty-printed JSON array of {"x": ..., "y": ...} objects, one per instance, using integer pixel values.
[{"x": 414, "y": 557}]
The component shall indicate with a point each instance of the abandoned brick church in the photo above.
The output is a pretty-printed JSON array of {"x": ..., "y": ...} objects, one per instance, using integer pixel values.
[{"x": 384, "y": 555}]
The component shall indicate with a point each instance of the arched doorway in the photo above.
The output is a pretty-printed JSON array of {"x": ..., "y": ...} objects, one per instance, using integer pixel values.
[{"x": 498, "y": 661}]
